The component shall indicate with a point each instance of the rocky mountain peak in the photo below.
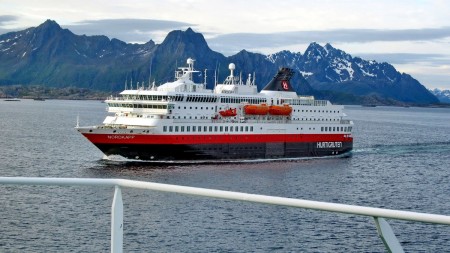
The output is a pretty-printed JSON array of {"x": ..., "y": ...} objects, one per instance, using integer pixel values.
[{"x": 49, "y": 24}]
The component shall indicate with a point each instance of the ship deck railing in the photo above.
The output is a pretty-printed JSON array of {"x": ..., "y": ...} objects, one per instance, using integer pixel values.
[{"x": 379, "y": 214}]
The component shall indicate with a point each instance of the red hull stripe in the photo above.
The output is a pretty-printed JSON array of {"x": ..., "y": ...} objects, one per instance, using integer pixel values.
[{"x": 212, "y": 139}]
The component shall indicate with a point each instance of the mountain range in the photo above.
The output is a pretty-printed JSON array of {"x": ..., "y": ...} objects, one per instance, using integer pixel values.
[
  {"x": 442, "y": 95},
  {"x": 51, "y": 56}
]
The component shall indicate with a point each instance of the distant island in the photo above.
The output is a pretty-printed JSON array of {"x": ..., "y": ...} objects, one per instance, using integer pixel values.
[{"x": 40, "y": 92}]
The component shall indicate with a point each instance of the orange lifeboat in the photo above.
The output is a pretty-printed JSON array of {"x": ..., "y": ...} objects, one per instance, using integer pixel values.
[
  {"x": 280, "y": 110},
  {"x": 228, "y": 113},
  {"x": 261, "y": 109}
]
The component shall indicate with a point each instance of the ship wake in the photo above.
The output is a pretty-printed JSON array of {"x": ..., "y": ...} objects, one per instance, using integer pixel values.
[{"x": 407, "y": 148}]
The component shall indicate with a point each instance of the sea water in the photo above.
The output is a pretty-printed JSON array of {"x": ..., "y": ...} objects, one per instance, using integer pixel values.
[{"x": 401, "y": 160}]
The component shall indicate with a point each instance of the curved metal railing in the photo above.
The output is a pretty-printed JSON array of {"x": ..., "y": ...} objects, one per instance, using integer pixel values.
[{"x": 379, "y": 214}]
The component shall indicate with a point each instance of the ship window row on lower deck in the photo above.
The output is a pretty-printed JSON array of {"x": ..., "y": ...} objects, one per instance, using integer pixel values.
[
  {"x": 322, "y": 111},
  {"x": 315, "y": 119},
  {"x": 211, "y": 129},
  {"x": 239, "y": 129},
  {"x": 336, "y": 129}
]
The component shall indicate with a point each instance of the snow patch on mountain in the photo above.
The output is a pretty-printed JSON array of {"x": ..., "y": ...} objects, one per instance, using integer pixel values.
[{"x": 306, "y": 74}]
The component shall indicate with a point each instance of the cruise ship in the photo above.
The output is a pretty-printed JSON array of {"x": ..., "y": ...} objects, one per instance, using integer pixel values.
[{"x": 184, "y": 121}]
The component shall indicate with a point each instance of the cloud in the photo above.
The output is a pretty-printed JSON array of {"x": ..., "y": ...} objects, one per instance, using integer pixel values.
[
  {"x": 284, "y": 39},
  {"x": 407, "y": 58},
  {"x": 129, "y": 30},
  {"x": 4, "y": 19}
]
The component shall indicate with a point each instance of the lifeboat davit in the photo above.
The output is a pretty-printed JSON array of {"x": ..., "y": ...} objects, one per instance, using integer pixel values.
[
  {"x": 228, "y": 113},
  {"x": 280, "y": 110},
  {"x": 261, "y": 109}
]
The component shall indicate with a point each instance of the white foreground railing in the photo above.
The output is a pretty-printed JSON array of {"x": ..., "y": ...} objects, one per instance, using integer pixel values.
[{"x": 384, "y": 230}]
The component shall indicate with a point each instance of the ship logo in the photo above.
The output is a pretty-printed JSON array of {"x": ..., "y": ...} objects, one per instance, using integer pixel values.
[{"x": 285, "y": 85}]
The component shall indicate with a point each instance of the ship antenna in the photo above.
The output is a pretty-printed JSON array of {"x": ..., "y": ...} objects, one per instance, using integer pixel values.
[
  {"x": 216, "y": 74},
  {"x": 78, "y": 120},
  {"x": 126, "y": 80},
  {"x": 131, "y": 83},
  {"x": 150, "y": 70},
  {"x": 205, "y": 78}
]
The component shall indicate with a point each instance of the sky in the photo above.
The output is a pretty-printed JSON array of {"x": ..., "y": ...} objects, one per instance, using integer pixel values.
[{"x": 412, "y": 35}]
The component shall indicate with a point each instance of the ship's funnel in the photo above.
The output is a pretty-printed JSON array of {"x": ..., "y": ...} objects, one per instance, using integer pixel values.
[{"x": 281, "y": 81}]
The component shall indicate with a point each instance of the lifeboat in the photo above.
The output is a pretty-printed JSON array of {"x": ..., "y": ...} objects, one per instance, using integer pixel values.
[
  {"x": 280, "y": 110},
  {"x": 228, "y": 113},
  {"x": 261, "y": 109}
]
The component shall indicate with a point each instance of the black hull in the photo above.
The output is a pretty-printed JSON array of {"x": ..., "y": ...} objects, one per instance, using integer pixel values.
[{"x": 235, "y": 151}]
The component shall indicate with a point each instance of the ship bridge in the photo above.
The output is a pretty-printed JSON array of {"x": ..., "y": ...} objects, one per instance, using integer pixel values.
[
  {"x": 184, "y": 81},
  {"x": 234, "y": 84}
]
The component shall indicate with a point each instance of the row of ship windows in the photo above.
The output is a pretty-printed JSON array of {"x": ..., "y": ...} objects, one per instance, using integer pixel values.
[
  {"x": 207, "y": 129},
  {"x": 213, "y": 99},
  {"x": 149, "y": 106},
  {"x": 153, "y": 106},
  {"x": 252, "y": 118},
  {"x": 313, "y": 119},
  {"x": 196, "y": 108},
  {"x": 238, "y": 129},
  {"x": 323, "y": 111},
  {"x": 207, "y": 108},
  {"x": 334, "y": 129},
  {"x": 177, "y": 97},
  {"x": 307, "y": 102},
  {"x": 196, "y": 98},
  {"x": 238, "y": 100}
]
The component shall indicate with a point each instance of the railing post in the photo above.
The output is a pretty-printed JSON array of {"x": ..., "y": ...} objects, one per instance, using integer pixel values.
[
  {"x": 387, "y": 236},
  {"x": 117, "y": 222}
]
